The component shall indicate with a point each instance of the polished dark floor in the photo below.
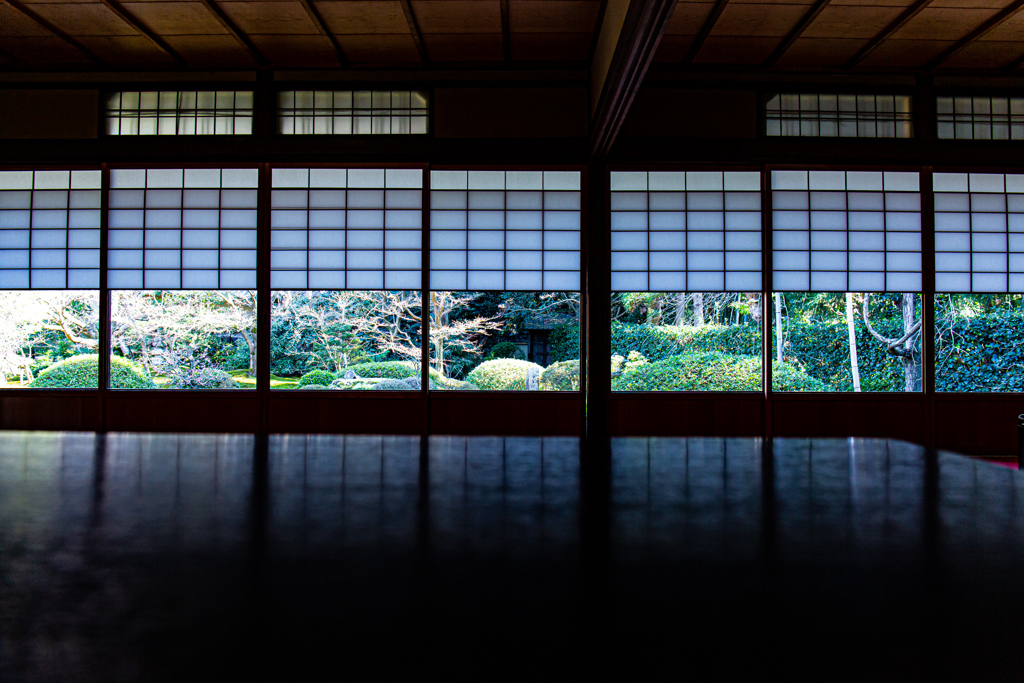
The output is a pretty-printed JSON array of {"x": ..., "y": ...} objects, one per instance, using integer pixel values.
[{"x": 133, "y": 557}]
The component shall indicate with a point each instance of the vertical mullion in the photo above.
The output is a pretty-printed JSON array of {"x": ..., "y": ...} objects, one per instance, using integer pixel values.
[
  {"x": 584, "y": 298},
  {"x": 928, "y": 302},
  {"x": 767, "y": 314},
  {"x": 31, "y": 225},
  {"x": 103, "y": 338},
  {"x": 263, "y": 301},
  {"x": 598, "y": 346},
  {"x": 424, "y": 301}
]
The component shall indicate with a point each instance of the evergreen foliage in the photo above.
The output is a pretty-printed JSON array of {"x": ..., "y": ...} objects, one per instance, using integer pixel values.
[
  {"x": 82, "y": 372},
  {"x": 711, "y": 372},
  {"x": 502, "y": 374}
]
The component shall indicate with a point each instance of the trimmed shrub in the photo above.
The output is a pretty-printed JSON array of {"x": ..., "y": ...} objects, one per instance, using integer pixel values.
[
  {"x": 362, "y": 383},
  {"x": 82, "y": 372},
  {"x": 207, "y": 378},
  {"x": 983, "y": 353},
  {"x": 658, "y": 342},
  {"x": 457, "y": 385},
  {"x": 317, "y": 387},
  {"x": 390, "y": 369},
  {"x": 505, "y": 349},
  {"x": 502, "y": 374},
  {"x": 562, "y": 376},
  {"x": 321, "y": 377},
  {"x": 392, "y": 385},
  {"x": 711, "y": 372}
]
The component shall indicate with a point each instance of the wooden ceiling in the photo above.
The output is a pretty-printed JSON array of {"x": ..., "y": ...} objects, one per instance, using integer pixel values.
[{"x": 783, "y": 35}]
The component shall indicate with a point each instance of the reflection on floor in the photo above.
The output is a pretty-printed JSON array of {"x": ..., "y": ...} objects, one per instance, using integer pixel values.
[{"x": 161, "y": 557}]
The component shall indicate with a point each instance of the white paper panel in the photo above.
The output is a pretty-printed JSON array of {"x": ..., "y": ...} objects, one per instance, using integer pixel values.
[
  {"x": 155, "y": 242},
  {"x": 49, "y": 229},
  {"x": 977, "y": 218},
  {"x": 346, "y": 228},
  {"x": 841, "y": 230},
  {"x": 688, "y": 229},
  {"x": 513, "y": 230}
]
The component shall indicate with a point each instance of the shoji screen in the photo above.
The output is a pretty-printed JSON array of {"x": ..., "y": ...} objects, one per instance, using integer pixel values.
[
  {"x": 49, "y": 229},
  {"x": 505, "y": 230},
  {"x": 842, "y": 231},
  {"x": 686, "y": 231},
  {"x": 336, "y": 228},
  {"x": 979, "y": 232},
  {"x": 182, "y": 228}
]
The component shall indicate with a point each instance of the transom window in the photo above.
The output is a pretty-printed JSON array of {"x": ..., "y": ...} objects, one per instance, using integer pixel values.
[
  {"x": 839, "y": 115},
  {"x": 180, "y": 112}
]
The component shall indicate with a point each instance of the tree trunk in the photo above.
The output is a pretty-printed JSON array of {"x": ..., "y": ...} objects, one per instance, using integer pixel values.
[
  {"x": 251, "y": 345},
  {"x": 681, "y": 310},
  {"x": 698, "y": 309},
  {"x": 854, "y": 368},
  {"x": 778, "y": 327},
  {"x": 912, "y": 357}
]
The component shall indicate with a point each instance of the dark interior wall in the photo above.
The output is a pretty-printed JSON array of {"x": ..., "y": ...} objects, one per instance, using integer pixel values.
[
  {"x": 49, "y": 114},
  {"x": 698, "y": 113},
  {"x": 547, "y": 112}
]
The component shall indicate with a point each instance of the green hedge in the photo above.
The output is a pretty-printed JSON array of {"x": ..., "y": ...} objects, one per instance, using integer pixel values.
[
  {"x": 984, "y": 353},
  {"x": 505, "y": 349},
  {"x": 322, "y": 377},
  {"x": 561, "y": 376},
  {"x": 82, "y": 372},
  {"x": 658, "y": 342},
  {"x": 711, "y": 372},
  {"x": 391, "y": 369},
  {"x": 502, "y": 374},
  {"x": 564, "y": 343},
  {"x": 822, "y": 350}
]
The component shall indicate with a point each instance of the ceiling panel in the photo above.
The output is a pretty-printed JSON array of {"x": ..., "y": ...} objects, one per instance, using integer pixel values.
[
  {"x": 820, "y": 52},
  {"x": 905, "y": 53},
  {"x": 200, "y": 51},
  {"x": 988, "y": 55},
  {"x": 688, "y": 17},
  {"x": 944, "y": 23},
  {"x": 464, "y": 47},
  {"x": 364, "y": 17},
  {"x": 851, "y": 22},
  {"x": 759, "y": 19},
  {"x": 175, "y": 18},
  {"x": 278, "y": 18},
  {"x": 457, "y": 16},
  {"x": 127, "y": 49},
  {"x": 84, "y": 19},
  {"x": 14, "y": 23},
  {"x": 555, "y": 47},
  {"x": 553, "y": 16},
  {"x": 1011, "y": 30},
  {"x": 296, "y": 51},
  {"x": 382, "y": 49},
  {"x": 735, "y": 50}
]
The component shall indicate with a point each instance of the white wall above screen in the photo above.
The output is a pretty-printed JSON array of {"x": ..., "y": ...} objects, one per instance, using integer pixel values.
[
  {"x": 846, "y": 231},
  {"x": 505, "y": 230},
  {"x": 685, "y": 231},
  {"x": 337, "y": 228},
  {"x": 192, "y": 228},
  {"x": 50, "y": 229},
  {"x": 979, "y": 232}
]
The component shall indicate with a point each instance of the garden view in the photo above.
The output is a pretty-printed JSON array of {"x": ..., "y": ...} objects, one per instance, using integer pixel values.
[{"x": 511, "y": 341}]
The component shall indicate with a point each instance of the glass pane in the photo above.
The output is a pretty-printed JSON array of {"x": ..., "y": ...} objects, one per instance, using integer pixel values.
[
  {"x": 971, "y": 353},
  {"x": 686, "y": 341},
  {"x": 505, "y": 341},
  {"x": 195, "y": 339},
  {"x": 49, "y": 339},
  {"x": 846, "y": 342},
  {"x": 345, "y": 340}
]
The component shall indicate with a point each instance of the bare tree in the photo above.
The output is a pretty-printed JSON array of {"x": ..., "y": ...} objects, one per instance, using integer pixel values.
[
  {"x": 850, "y": 316},
  {"x": 904, "y": 347}
]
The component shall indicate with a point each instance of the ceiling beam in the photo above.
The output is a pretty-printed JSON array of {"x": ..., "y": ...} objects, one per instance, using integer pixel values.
[
  {"x": 797, "y": 31},
  {"x": 92, "y": 56},
  {"x": 417, "y": 37},
  {"x": 235, "y": 32},
  {"x": 321, "y": 25},
  {"x": 883, "y": 35},
  {"x": 986, "y": 26},
  {"x": 127, "y": 17},
  {"x": 641, "y": 30},
  {"x": 705, "y": 31},
  {"x": 506, "y": 33}
]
